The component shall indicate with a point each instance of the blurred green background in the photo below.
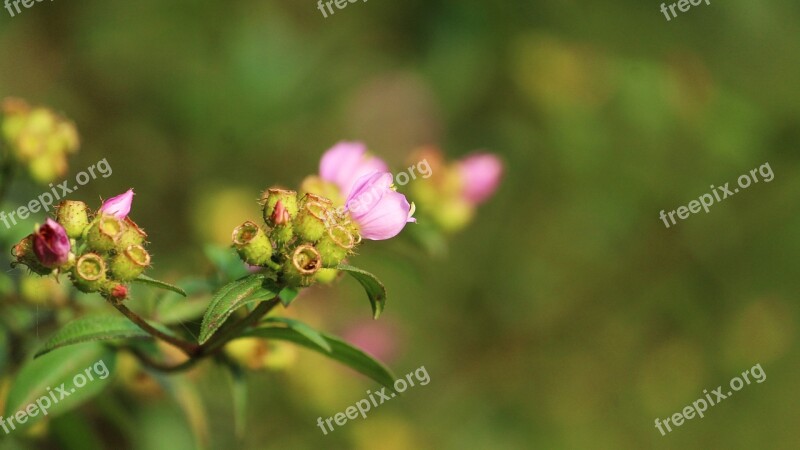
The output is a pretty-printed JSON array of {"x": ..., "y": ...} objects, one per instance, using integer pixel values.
[{"x": 566, "y": 316}]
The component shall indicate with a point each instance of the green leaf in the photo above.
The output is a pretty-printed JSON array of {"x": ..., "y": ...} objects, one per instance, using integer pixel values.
[
  {"x": 288, "y": 295},
  {"x": 341, "y": 351},
  {"x": 239, "y": 393},
  {"x": 312, "y": 334},
  {"x": 160, "y": 284},
  {"x": 93, "y": 328},
  {"x": 374, "y": 288},
  {"x": 57, "y": 368},
  {"x": 232, "y": 296}
]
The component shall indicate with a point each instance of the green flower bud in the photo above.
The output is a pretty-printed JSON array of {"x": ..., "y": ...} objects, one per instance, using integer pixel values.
[
  {"x": 299, "y": 270},
  {"x": 104, "y": 233},
  {"x": 23, "y": 252},
  {"x": 326, "y": 276},
  {"x": 129, "y": 264},
  {"x": 73, "y": 216},
  {"x": 89, "y": 273},
  {"x": 288, "y": 200},
  {"x": 312, "y": 220},
  {"x": 252, "y": 244},
  {"x": 131, "y": 235},
  {"x": 335, "y": 245}
]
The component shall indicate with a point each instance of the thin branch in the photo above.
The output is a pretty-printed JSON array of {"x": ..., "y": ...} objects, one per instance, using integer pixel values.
[
  {"x": 191, "y": 349},
  {"x": 149, "y": 362}
]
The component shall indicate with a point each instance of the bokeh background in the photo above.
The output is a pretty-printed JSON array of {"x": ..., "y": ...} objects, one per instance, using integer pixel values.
[{"x": 566, "y": 316}]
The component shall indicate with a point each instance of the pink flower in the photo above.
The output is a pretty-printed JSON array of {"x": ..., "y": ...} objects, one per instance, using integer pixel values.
[
  {"x": 51, "y": 244},
  {"x": 346, "y": 162},
  {"x": 118, "y": 206},
  {"x": 381, "y": 340},
  {"x": 480, "y": 176},
  {"x": 379, "y": 210}
]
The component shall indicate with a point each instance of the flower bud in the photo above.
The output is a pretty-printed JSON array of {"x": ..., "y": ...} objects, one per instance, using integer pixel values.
[
  {"x": 131, "y": 235},
  {"x": 104, "y": 233},
  {"x": 312, "y": 220},
  {"x": 51, "y": 244},
  {"x": 73, "y": 216},
  {"x": 129, "y": 264},
  {"x": 288, "y": 201},
  {"x": 304, "y": 263},
  {"x": 119, "y": 291},
  {"x": 335, "y": 245},
  {"x": 252, "y": 244},
  {"x": 118, "y": 206},
  {"x": 23, "y": 252},
  {"x": 89, "y": 273},
  {"x": 326, "y": 276}
]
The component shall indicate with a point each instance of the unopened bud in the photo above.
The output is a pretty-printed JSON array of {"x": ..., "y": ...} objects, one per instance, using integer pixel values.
[
  {"x": 312, "y": 220},
  {"x": 73, "y": 216},
  {"x": 280, "y": 216},
  {"x": 115, "y": 290},
  {"x": 304, "y": 263},
  {"x": 24, "y": 254},
  {"x": 335, "y": 245},
  {"x": 104, "y": 233},
  {"x": 326, "y": 276},
  {"x": 252, "y": 244},
  {"x": 288, "y": 201},
  {"x": 131, "y": 235},
  {"x": 89, "y": 273},
  {"x": 129, "y": 264}
]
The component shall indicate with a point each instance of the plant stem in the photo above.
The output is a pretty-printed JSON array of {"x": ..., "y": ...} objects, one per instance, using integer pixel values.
[
  {"x": 191, "y": 349},
  {"x": 157, "y": 365},
  {"x": 7, "y": 174}
]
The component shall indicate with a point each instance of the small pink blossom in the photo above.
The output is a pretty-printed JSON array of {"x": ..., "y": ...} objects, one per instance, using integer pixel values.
[
  {"x": 51, "y": 244},
  {"x": 480, "y": 176},
  {"x": 118, "y": 206},
  {"x": 346, "y": 162},
  {"x": 379, "y": 210}
]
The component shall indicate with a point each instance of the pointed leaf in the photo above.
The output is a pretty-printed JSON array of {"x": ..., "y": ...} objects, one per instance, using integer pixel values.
[
  {"x": 374, "y": 288},
  {"x": 54, "y": 369},
  {"x": 159, "y": 284},
  {"x": 94, "y": 328},
  {"x": 312, "y": 334},
  {"x": 252, "y": 289},
  {"x": 341, "y": 351},
  {"x": 288, "y": 295}
]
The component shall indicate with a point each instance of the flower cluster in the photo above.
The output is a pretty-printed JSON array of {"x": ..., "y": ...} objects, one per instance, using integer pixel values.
[
  {"x": 100, "y": 252},
  {"x": 308, "y": 235},
  {"x": 38, "y": 138}
]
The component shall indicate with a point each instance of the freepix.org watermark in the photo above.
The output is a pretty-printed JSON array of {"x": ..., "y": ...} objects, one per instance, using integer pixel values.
[
  {"x": 699, "y": 406},
  {"x": 364, "y": 405},
  {"x": 705, "y": 201},
  {"x": 13, "y": 5},
  {"x": 54, "y": 396},
  {"x": 46, "y": 199}
]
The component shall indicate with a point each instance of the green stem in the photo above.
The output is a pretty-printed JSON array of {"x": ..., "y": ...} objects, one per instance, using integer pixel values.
[{"x": 7, "y": 174}]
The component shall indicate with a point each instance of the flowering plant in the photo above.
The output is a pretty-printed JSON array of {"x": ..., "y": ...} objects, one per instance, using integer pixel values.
[{"x": 302, "y": 238}]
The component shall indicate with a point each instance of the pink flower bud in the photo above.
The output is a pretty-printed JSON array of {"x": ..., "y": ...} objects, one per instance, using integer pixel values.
[
  {"x": 118, "y": 206},
  {"x": 480, "y": 176},
  {"x": 51, "y": 244},
  {"x": 380, "y": 211},
  {"x": 119, "y": 292},
  {"x": 281, "y": 215}
]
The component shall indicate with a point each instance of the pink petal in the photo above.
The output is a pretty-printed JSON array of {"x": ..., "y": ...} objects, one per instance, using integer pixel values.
[
  {"x": 380, "y": 212},
  {"x": 480, "y": 175},
  {"x": 118, "y": 206},
  {"x": 346, "y": 162}
]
